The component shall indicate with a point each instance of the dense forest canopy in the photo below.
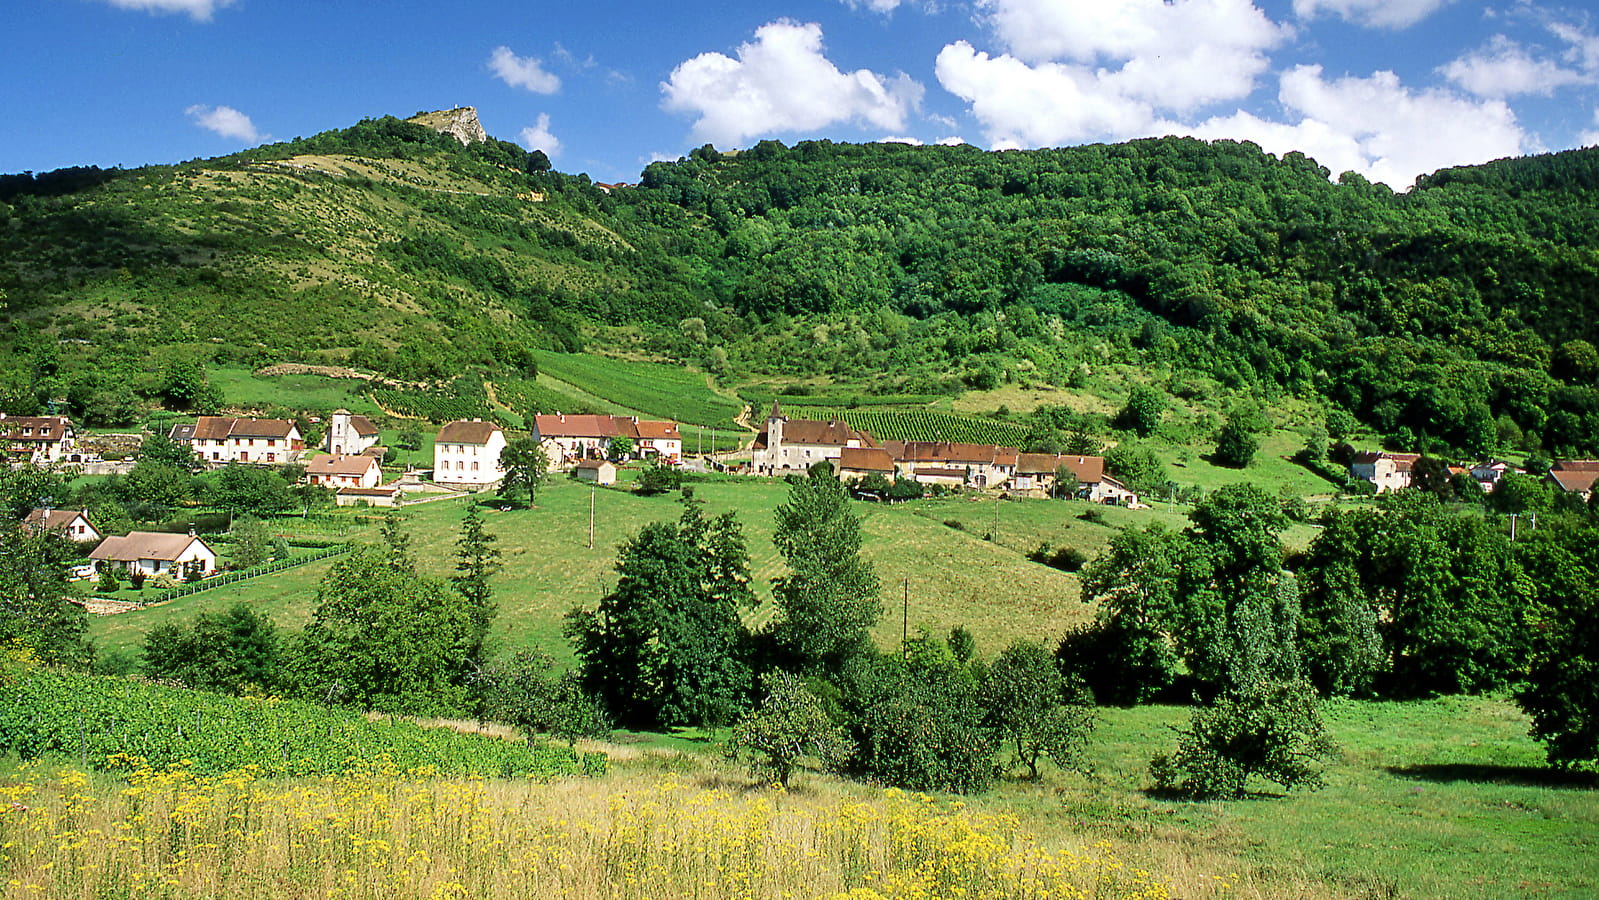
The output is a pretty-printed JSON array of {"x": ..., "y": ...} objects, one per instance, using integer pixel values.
[{"x": 1455, "y": 316}]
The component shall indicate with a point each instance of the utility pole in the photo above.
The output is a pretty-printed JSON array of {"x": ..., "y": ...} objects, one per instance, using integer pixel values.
[
  {"x": 1512, "y": 528},
  {"x": 591, "y": 518},
  {"x": 905, "y": 622}
]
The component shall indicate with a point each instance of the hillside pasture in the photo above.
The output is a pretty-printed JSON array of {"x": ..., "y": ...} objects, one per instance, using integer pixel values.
[{"x": 656, "y": 389}]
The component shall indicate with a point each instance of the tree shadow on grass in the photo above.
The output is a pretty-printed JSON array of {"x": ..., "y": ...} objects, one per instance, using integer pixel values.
[{"x": 1526, "y": 776}]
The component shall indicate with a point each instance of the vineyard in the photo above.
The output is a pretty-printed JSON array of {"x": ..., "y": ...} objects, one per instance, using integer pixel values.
[
  {"x": 655, "y": 389},
  {"x": 763, "y": 399},
  {"x": 921, "y": 425},
  {"x": 104, "y": 722},
  {"x": 531, "y": 397},
  {"x": 463, "y": 398}
]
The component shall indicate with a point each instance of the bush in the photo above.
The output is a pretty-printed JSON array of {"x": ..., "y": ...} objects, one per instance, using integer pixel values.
[
  {"x": 1066, "y": 559},
  {"x": 1270, "y": 730}
]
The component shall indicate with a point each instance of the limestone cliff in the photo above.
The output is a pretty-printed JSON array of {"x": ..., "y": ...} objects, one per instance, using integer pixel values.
[{"x": 460, "y": 123}]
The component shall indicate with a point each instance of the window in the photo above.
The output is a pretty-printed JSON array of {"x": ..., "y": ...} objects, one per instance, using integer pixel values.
[{"x": 474, "y": 465}]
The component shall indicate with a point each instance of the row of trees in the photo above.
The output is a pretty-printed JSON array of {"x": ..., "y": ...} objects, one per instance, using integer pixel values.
[{"x": 1411, "y": 597}]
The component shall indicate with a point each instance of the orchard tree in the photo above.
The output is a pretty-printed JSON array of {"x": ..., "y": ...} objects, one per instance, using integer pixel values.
[
  {"x": 829, "y": 600},
  {"x": 1269, "y": 729},
  {"x": 1033, "y": 710},
  {"x": 526, "y": 467},
  {"x": 789, "y": 726}
]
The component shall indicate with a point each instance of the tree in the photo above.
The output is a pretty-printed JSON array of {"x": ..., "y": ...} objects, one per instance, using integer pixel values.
[
  {"x": 1236, "y": 444},
  {"x": 658, "y": 477},
  {"x": 25, "y": 488},
  {"x": 666, "y": 646},
  {"x": 619, "y": 448},
  {"x": 789, "y": 726},
  {"x": 1431, "y": 475},
  {"x": 829, "y": 599},
  {"x": 522, "y": 691},
  {"x": 410, "y": 440},
  {"x": 234, "y": 651},
  {"x": 157, "y": 488},
  {"x": 1065, "y": 482},
  {"x": 34, "y": 609},
  {"x": 385, "y": 637},
  {"x": 184, "y": 386},
  {"x": 1271, "y": 730},
  {"x": 917, "y": 723},
  {"x": 252, "y": 543},
  {"x": 242, "y": 490},
  {"x": 1561, "y": 692},
  {"x": 158, "y": 448},
  {"x": 476, "y": 561},
  {"x": 1143, "y": 410},
  {"x": 526, "y": 466},
  {"x": 1033, "y": 710}
]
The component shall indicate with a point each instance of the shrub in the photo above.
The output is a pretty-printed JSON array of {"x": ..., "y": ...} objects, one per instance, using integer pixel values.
[{"x": 1272, "y": 730}]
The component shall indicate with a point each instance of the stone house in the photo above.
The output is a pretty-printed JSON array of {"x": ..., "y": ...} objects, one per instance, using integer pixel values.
[
  {"x": 598, "y": 471},
  {"x": 855, "y": 463},
  {"x": 72, "y": 524},
  {"x": 1388, "y": 471},
  {"x": 981, "y": 465},
  {"x": 794, "y": 445},
  {"x": 568, "y": 439},
  {"x": 40, "y": 440},
  {"x": 1574, "y": 476}
]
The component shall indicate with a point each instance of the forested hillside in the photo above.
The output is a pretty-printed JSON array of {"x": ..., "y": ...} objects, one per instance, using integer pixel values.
[{"x": 1456, "y": 316}]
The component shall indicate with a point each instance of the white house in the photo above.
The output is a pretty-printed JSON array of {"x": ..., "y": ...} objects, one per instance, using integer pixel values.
[
  {"x": 219, "y": 440},
  {"x": 794, "y": 445},
  {"x": 567, "y": 439},
  {"x": 156, "y": 553},
  {"x": 41, "y": 440},
  {"x": 72, "y": 524},
  {"x": 467, "y": 454},
  {"x": 349, "y": 433},
  {"x": 1388, "y": 471},
  {"x": 341, "y": 471}
]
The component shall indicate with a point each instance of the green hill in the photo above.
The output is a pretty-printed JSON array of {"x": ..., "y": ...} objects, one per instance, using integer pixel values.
[{"x": 1457, "y": 316}]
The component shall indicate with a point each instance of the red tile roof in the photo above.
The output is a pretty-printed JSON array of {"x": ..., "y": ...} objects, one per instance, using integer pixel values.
[
  {"x": 952, "y": 452},
  {"x": 46, "y": 429},
  {"x": 1574, "y": 482},
  {"x": 1086, "y": 469},
  {"x": 54, "y": 519},
  {"x": 221, "y": 428}
]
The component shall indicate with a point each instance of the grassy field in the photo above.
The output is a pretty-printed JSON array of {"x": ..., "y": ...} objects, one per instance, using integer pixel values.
[
  {"x": 653, "y": 388},
  {"x": 954, "y": 578}
]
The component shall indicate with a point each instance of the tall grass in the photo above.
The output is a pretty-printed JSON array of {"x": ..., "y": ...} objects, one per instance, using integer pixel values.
[{"x": 386, "y": 835}]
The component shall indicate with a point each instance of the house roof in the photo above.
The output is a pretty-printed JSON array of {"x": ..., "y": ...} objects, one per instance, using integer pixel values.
[
  {"x": 341, "y": 464},
  {"x": 45, "y": 429},
  {"x": 817, "y": 433},
  {"x": 595, "y": 464},
  {"x": 952, "y": 452},
  {"x": 1575, "y": 465},
  {"x": 54, "y": 519},
  {"x": 363, "y": 426},
  {"x": 1574, "y": 481},
  {"x": 1402, "y": 461},
  {"x": 934, "y": 471},
  {"x": 218, "y": 428},
  {"x": 145, "y": 545},
  {"x": 866, "y": 459},
  {"x": 1086, "y": 469},
  {"x": 462, "y": 431},
  {"x": 558, "y": 425}
]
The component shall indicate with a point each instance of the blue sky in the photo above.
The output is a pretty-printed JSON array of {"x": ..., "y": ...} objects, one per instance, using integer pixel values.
[{"x": 1389, "y": 88}]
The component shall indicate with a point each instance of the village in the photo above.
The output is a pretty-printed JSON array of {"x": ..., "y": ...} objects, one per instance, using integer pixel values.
[{"x": 468, "y": 458}]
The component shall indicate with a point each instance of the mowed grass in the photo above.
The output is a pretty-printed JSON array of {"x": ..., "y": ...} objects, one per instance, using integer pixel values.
[
  {"x": 657, "y": 389},
  {"x": 549, "y": 567}
]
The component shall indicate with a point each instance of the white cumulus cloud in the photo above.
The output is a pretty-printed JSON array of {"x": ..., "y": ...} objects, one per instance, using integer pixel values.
[
  {"x": 1505, "y": 68},
  {"x": 225, "y": 121},
  {"x": 1371, "y": 13},
  {"x": 539, "y": 137},
  {"x": 1378, "y": 127},
  {"x": 522, "y": 71},
  {"x": 783, "y": 82},
  {"x": 198, "y": 10},
  {"x": 1590, "y": 138},
  {"x": 1074, "y": 71}
]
